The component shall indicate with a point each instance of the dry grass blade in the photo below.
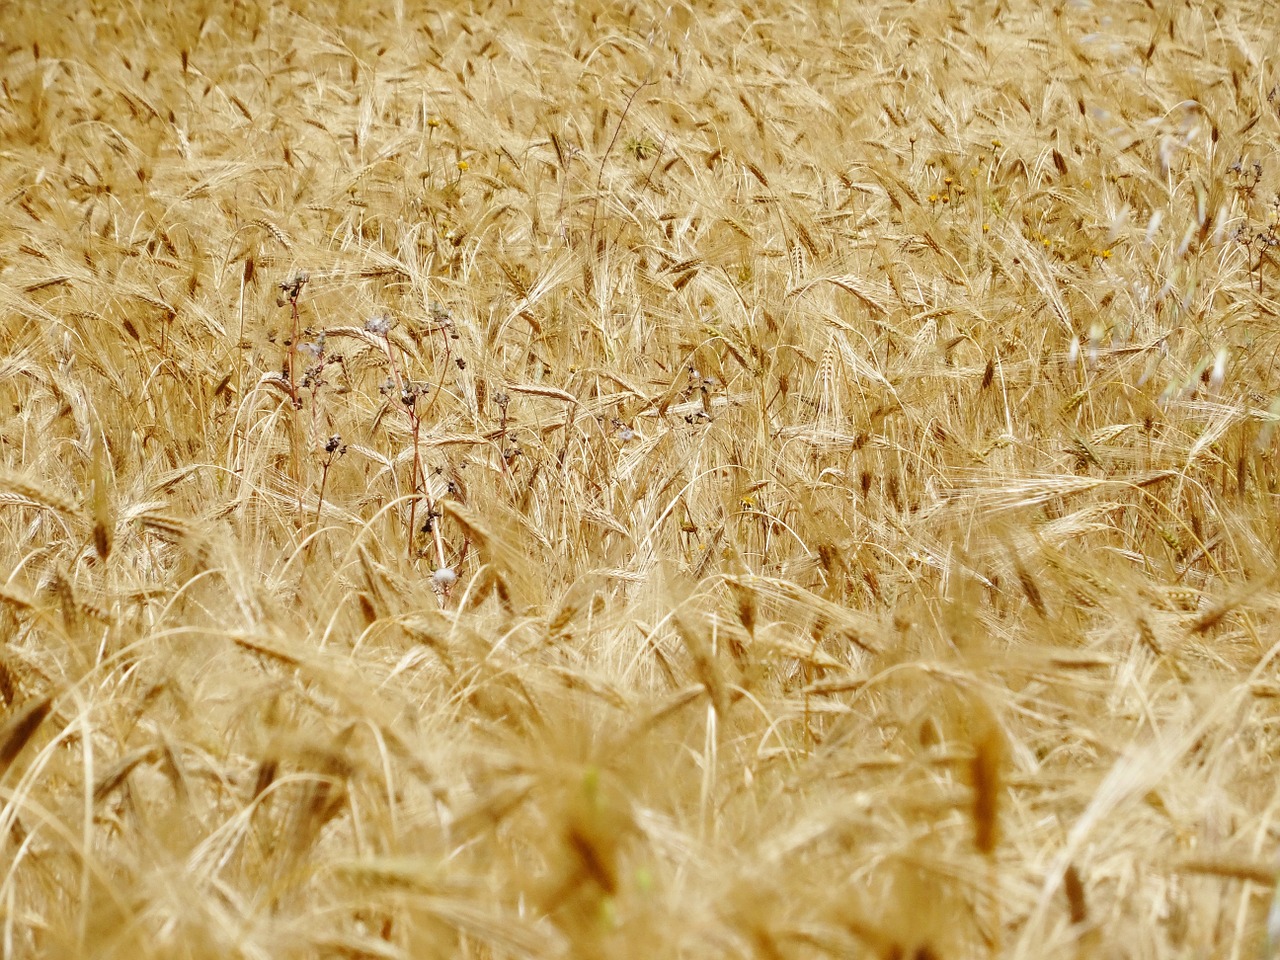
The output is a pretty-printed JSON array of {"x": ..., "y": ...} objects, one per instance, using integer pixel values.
[
  {"x": 19, "y": 491},
  {"x": 536, "y": 390},
  {"x": 986, "y": 772},
  {"x": 1263, "y": 874},
  {"x": 1073, "y": 888},
  {"x": 20, "y": 728},
  {"x": 1034, "y": 491},
  {"x": 873, "y": 296},
  {"x": 99, "y": 503},
  {"x": 115, "y": 775}
]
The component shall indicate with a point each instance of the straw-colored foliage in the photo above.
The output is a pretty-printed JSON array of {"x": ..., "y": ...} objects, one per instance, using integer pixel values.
[{"x": 757, "y": 479}]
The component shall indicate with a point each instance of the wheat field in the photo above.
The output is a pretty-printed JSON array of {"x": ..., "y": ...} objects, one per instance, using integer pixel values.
[{"x": 582, "y": 480}]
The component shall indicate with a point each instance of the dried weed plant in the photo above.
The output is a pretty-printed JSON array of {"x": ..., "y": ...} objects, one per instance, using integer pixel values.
[{"x": 578, "y": 480}]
